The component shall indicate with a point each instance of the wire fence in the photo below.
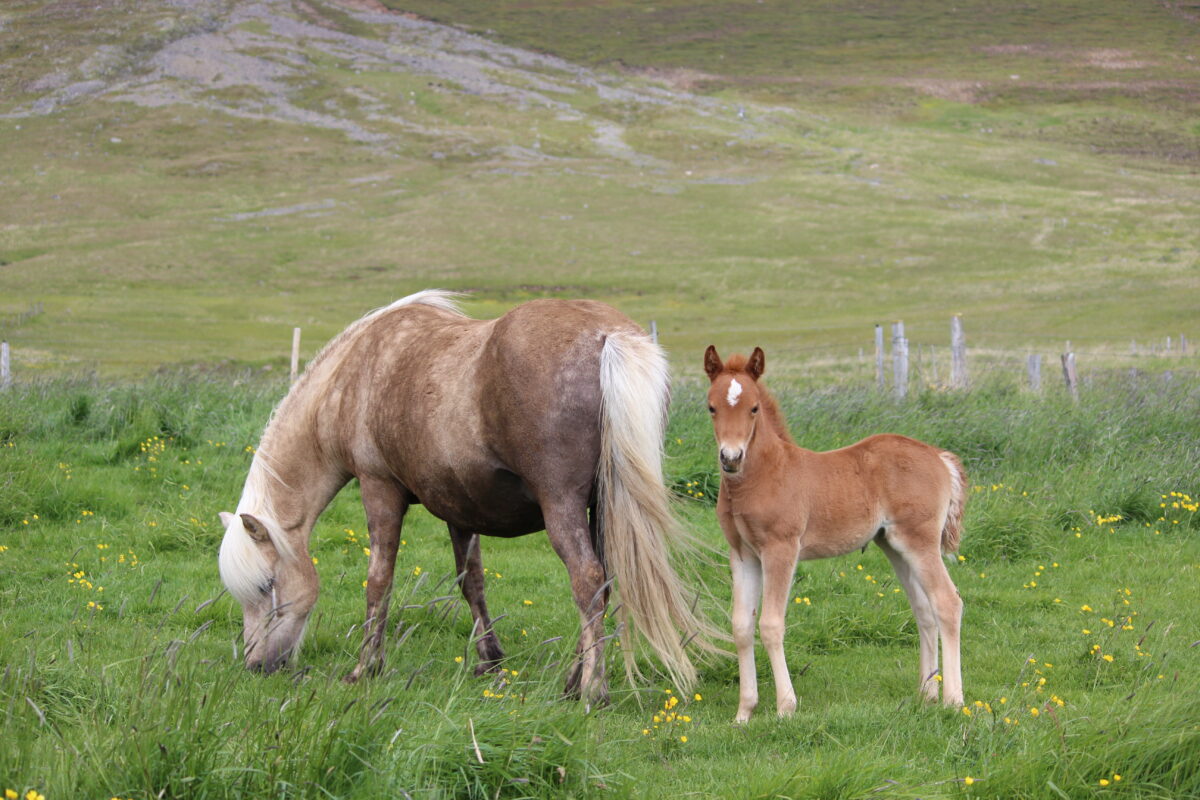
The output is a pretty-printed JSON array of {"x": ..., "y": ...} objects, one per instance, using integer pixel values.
[{"x": 893, "y": 364}]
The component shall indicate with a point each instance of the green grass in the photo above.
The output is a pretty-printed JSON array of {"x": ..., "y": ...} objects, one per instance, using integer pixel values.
[{"x": 118, "y": 485}]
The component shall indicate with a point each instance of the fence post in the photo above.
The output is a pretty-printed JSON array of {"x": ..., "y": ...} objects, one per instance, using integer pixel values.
[
  {"x": 879, "y": 357},
  {"x": 1182, "y": 345},
  {"x": 958, "y": 354},
  {"x": 1034, "y": 365},
  {"x": 295, "y": 354},
  {"x": 900, "y": 359},
  {"x": 5, "y": 370},
  {"x": 1070, "y": 375},
  {"x": 654, "y": 331}
]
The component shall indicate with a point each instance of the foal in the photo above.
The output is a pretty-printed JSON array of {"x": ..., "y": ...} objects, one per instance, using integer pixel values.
[{"x": 780, "y": 504}]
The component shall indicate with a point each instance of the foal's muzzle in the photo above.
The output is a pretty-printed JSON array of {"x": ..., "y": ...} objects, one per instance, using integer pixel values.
[{"x": 731, "y": 460}]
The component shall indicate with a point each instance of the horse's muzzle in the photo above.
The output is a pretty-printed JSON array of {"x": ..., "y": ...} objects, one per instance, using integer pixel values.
[{"x": 731, "y": 460}]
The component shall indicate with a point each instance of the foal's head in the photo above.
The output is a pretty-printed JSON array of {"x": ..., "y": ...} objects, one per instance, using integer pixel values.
[
  {"x": 276, "y": 586},
  {"x": 734, "y": 401}
]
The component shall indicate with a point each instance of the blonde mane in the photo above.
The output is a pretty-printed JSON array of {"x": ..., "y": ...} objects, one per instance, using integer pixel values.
[{"x": 242, "y": 563}]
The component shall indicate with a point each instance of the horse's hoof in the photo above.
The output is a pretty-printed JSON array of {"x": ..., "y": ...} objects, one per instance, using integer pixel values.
[{"x": 487, "y": 668}]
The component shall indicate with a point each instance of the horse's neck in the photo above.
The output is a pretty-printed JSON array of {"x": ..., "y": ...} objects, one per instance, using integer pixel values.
[{"x": 291, "y": 482}]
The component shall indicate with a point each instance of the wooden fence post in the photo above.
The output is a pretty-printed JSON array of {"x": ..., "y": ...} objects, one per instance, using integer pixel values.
[
  {"x": 1182, "y": 345},
  {"x": 5, "y": 370},
  {"x": 654, "y": 331},
  {"x": 958, "y": 354},
  {"x": 1070, "y": 375},
  {"x": 879, "y": 357},
  {"x": 1034, "y": 366},
  {"x": 900, "y": 359},
  {"x": 295, "y": 353}
]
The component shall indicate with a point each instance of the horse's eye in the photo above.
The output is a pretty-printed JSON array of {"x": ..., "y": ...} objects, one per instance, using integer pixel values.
[
  {"x": 754, "y": 410},
  {"x": 712, "y": 410}
]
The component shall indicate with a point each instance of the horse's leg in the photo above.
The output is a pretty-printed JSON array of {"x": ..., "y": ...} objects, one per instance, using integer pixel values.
[
  {"x": 747, "y": 589},
  {"x": 778, "y": 569},
  {"x": 927, "y": 626},
  {"x": 567, "y": 528},
  {"x": 469, "y": 565},
  {"x": 385, "y": 502},
  {"x": 921, "y": 549},
  {"x": 576, "y": 672}
]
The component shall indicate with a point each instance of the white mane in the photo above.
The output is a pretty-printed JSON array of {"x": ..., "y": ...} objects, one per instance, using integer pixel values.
[{"x": 244, "y": 568}]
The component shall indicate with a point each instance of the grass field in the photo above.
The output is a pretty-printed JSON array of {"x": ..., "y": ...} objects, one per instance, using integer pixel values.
[{"x": 121, "y": 679}]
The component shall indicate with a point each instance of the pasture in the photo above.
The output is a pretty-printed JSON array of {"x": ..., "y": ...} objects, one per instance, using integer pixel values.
[{"x": 121, "y": 676}]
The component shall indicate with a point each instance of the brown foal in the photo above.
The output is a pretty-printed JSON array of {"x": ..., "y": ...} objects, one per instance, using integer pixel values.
[{"x": 780, "y": 504}]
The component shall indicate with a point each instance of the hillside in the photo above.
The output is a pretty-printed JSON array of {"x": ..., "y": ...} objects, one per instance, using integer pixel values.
[{"x": 185, "y": 182}]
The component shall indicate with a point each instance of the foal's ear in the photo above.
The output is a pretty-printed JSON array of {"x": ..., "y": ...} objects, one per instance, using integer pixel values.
[
  {"x": 226, "y": 518},
  {"x": 712, "y": 363},
  {"x": 757, "y": 364},
  {"x": 257, "y": 531}
]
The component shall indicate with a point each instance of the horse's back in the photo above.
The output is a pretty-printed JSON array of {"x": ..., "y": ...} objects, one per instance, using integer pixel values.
[
  {"x": 478, "y": 418},
  {"x": 539, "y": 378}
]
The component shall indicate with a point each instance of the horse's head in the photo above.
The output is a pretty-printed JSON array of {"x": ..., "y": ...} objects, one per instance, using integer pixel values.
[
  {"x": 276, "y": 586},
  {"x": 733, "y": 402}
]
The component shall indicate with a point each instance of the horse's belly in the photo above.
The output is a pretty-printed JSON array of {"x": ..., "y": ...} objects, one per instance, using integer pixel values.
[{"x": 492, "y": 503}]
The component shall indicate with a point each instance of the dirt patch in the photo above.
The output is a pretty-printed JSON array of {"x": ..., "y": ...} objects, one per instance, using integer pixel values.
[
  {"x": 1113, "y": 59},
  {"x": 678, "y": 78}
]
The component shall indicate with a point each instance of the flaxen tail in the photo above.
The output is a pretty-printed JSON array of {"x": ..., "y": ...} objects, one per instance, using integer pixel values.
[
  {"x": 634, "y": 508},
  {"x": 952, "y": 530}
]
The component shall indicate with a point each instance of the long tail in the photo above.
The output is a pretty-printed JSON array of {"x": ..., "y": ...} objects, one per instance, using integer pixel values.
[
  {"x": 952, "y": 529},
  {"x": 635, "y": 512}
]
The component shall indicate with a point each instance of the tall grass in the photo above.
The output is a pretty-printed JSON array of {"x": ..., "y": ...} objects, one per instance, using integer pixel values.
[{"x": 1080, "y": 518}]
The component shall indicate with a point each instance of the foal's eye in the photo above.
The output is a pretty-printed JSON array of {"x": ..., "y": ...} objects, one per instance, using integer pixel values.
[
  {"x": 712, "y": 410},
  {"x": 754, "y": 410}
]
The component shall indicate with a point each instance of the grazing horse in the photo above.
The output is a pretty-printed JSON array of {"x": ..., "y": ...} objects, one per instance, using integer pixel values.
[
  {"x": 550, "y": 417},
  {"x": 780, "y": 504}
]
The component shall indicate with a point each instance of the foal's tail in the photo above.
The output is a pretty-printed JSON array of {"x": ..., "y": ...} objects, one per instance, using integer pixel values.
[
  {"x": 634, "y": 508},
  {"x": 952, "y": 529}
]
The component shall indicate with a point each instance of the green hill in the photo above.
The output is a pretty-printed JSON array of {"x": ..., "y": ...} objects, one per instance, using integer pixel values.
[{"x": 187, "y": 182}]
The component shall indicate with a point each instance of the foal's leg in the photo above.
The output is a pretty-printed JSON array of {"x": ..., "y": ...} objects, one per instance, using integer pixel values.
[
  {"x": 385, "y": 502},
  {"x": 747, "y": 589},
  {"x": 927, "y": 626},
  {"x": 778, "y": 569},
  {"x": 567, "y": 528},
  {"x": 469, "y": 565},
  {"x": 921, "y": 549}
]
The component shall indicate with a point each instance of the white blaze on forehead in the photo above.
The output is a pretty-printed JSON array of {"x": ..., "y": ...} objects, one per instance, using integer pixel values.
[{"x": 735, "y": 391}]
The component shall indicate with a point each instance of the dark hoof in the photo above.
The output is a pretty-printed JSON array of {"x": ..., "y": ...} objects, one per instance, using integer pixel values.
[{"x": 487, "y": 668}]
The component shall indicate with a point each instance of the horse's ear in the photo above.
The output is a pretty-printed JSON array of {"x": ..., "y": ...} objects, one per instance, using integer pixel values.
[
  {"x": 757, "y": 364},
  {"x": 226, "y": 518},
  {"x": 712, "y": 363},
  {"x": 257, "y": 531}
]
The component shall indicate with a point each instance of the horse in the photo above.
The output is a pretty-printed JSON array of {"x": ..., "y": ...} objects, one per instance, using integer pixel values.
[
  {"x": 550, "y": 417},
  {"x": 779, "y": 504}
]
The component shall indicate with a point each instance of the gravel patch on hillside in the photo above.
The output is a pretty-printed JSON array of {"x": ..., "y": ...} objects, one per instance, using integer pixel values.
[{"x": 252, "y": 59}]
